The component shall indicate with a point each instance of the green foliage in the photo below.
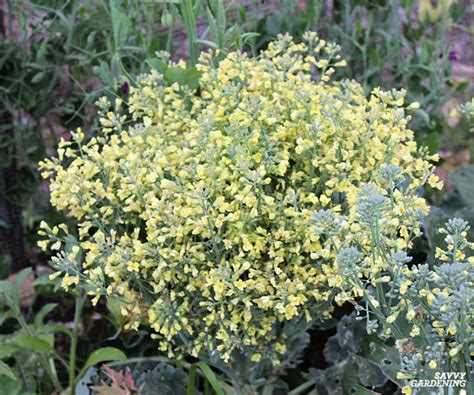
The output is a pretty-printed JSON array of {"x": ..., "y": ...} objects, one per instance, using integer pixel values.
[
  {"x": 33, "y": 344},
  {"x": 104, "y": 354},
  {"x": 37, "y": 339},
  {"x": 6, "y": 371},
  {"x": 207, "y": 373},
  {"x": 169, "y": 379},
  {"x": 146, "y": 376},
  {"x": 358, "y": 362}
]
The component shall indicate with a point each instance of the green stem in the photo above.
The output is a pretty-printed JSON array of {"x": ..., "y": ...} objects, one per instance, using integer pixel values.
[
  {"x": 300, "y": 389},
  {"x": 80, "y": 299}
]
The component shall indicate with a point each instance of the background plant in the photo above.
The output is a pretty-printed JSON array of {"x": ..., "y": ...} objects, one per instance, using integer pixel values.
[{"x": 32, "y": 346}]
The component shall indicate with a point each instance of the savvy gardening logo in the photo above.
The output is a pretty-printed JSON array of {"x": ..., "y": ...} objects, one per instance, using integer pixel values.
[{"x": 442, "y": 379}]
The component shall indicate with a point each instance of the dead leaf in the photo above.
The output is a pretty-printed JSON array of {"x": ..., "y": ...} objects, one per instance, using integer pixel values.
[
  {"x": 121, "y": 383},
  {"x": 26, "y": 291}
]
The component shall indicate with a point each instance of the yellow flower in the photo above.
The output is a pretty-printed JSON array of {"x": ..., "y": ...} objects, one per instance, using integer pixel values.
[
  {"x": 43, "y": 244},
  {"x": 402, "y": 376},
  {"x": 54, "y": 276},
  {"x": 452, "y": 330},
  {"x": 413, "y": 106},
  {"x": 430, "y": 298},
  {"x": 453, "y": 352},
  {"x": 392, "y": 318},
  {"x": 68, "y": 280},
  {"x": 429, "y": 12},
  {"x": 415, "y": 331},
  {"x": 404, "y": 286},
  {"x": 410, "y": 314},
  {"x": 56, "y": 245},
  {"x": 434, "y": 182},
  {"x": 256, "y": 357}
]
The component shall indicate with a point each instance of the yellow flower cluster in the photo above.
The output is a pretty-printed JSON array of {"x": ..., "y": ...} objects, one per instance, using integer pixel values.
[{"x": 198, "y": 215}]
